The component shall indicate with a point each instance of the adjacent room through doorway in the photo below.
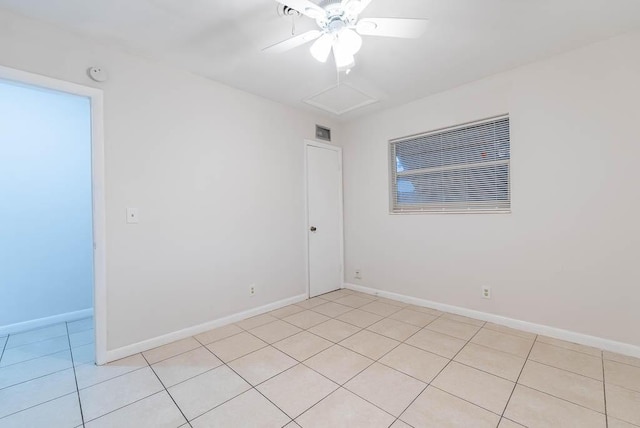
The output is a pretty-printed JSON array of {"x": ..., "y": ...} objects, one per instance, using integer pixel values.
[{"x": 46, "y": 223}]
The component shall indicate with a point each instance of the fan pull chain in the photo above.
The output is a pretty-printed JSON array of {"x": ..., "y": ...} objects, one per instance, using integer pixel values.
[{"x": 293, "y": 25}]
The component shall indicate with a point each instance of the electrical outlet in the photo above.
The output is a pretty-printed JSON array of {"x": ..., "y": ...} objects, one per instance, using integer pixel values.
[
  {"x": 358, "y": 274},
  {"x": 252, "y": 289},
  {"x": 486, "y": 292}
]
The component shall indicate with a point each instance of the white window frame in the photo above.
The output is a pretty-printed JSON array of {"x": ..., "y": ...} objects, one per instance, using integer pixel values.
[{"x": 394, "y": 210}]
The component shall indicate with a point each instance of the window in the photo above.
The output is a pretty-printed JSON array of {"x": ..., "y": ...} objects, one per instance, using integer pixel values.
[{"x": 454, "y": 170}]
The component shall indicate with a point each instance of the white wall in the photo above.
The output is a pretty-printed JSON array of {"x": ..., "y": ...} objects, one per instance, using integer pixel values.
[
  {"x": 568, "y": 254},
  {"x": 216, "y": 173},
  {"x": 46, "y": 242}
]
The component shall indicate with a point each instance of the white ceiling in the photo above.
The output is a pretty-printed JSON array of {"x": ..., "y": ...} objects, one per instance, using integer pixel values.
[{"x": 222, "y": 40}]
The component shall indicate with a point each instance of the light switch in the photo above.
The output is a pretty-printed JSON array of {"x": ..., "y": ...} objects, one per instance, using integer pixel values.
[{"x": 132, "y": 216}]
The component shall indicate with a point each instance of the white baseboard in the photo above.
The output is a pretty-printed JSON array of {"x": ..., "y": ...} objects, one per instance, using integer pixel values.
[
  {"x": 43, "y": 322},
  {"x": 557, "y": 333},
  {"x": 145, "y": 345}
]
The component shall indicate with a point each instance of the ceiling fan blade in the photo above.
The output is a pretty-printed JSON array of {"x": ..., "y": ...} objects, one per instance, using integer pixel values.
[
  {"x": 305, "y": 7},
  {"x": 293, "y": 42},
  {"x": 406, "y": 28},
  {"x": 321, "y": 48},
  {"x": 355, "y": 6}
]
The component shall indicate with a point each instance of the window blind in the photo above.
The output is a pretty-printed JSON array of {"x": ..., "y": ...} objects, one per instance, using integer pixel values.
[{"x": 460, "y": 169}]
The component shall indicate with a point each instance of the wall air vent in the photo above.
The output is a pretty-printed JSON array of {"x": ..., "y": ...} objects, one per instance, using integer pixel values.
[{"x": 323, "y": 133}]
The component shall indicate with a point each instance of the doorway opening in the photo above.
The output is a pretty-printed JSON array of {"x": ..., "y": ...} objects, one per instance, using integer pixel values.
[{"x": 51, "y": 220}]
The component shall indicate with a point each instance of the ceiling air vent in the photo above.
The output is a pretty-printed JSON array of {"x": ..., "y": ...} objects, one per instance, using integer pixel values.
[{"x": 323, "y": 133}]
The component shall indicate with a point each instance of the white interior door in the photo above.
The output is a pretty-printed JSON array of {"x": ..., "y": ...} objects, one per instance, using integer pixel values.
[{"x": 324, "y": 204}]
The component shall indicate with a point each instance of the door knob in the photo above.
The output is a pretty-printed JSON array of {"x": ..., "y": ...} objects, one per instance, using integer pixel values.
[{"x": 313, "y": 229}]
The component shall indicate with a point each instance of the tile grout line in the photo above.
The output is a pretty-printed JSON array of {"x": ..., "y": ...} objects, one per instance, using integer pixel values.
[
  {"x": 75, "y": 376},
  {"x": 515, "y": 385},
  {"x": 6, "y": 342},
  {"x": 166, "y": 390},
  {"x": 604, "y": 392},
  {"x": 443, "y": 369}
]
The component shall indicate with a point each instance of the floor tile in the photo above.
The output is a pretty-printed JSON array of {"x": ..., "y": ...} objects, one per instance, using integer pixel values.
[
  {"x": 385, "y": 387},
  {"x": 85, "y": 354},
  {"x": 379, "y": 308},
  {"x": 332, "y": 309},
  {"x": 394, "y": 329},
  {"x": 480, "y": 388},
  {"x": 185, "y": 366},
  {"x": 80, "y": 325},
  {"x": 438, "y": 409},
  {"x": 236, "y": 346},
  {"x": 572, "y": 346},
  {"x": 256, "y": 321},
  {"x": 616, "y": 423},
  {"x": 369, "y": 344},
  {"x": 632, "y": 361},
  {"x": 292, "y": 424},
  {"x": 506, "y": 423},
  {"x": 359, "y": 318},
  {"x": 463, "y": 319},
  {"x": 218, "y": 334},
  {"x": 31, "y": 369},
  {"x": 250, "y": 409},
  {"x": 338, "y": 364},
  {"x": 400, "y": 424},
  {"x": 622, "y": 375},
  {"x": 24, "y": 395},
  {"x": 37, "y": 335},
  {"x": 537, "y": 409},
  {"x": 306, "y": 319},
  {"x": 118, "y": 392},
  {"x": 170, "y": 350},
  {"x": 437, "y": 343},
  {"x": 91, "y": 374},
  {"x": 338, "y": 294},
  {"x": 392, "y": 302},
  {"x": 286, "y": 311},
  {"x": 569, "y": 386},
  {"x": 343, "y": 409},
  {"x": 303, "y": 345},
  {"x": 311, "y": 303},
  {"x": 157, "y": 411},
  {"x": 354, "y": 301},
  {"x": 208, "y": 390},
  {"x": 275, "y": 331},
  {"x": 33, "y": 350},
  {"x": 623, "y": 404},
  {"x": 297, "y": 389},
  {"x": 63, "y": 412},
  {"x": 499, "y": 363},
  {"x": 503, "y": 342},
  {"x": 453, "y": 328},
  {"x": 261, "y": 365},
  {"x": 565, "y": 359},
  {"x": 508, "y": 330},
  {"x": 415, "y": 318},
  {"x": 415, "y": 362},
  {"x": 334, "y": 330}
]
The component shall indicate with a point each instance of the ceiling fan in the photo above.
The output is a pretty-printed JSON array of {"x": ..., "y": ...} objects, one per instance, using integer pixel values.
[{"x": 341, "y": 28}]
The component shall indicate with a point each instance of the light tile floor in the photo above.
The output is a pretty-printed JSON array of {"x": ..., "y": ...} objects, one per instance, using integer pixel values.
[{"x": 344, "y": 359}]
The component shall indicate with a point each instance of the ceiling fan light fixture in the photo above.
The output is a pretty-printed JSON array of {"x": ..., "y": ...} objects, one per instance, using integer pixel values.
[
  {"x": 321, "y": 49},
  {"x": 343, "y": 57},
  {"x": 350, "y": 41}
]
